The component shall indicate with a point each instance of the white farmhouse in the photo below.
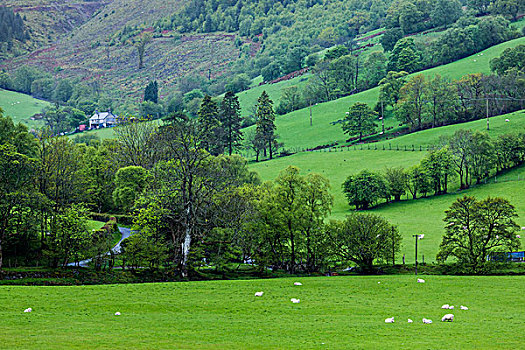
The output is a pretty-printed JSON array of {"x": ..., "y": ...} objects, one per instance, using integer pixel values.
[{"x": 102, "y": 120}]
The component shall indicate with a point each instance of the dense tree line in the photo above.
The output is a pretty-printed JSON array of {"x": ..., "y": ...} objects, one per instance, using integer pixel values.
[
  {"x": 193, "y": 208},
  {"x": 471, "y": 156},
  {"x": 11, "y": 26}
]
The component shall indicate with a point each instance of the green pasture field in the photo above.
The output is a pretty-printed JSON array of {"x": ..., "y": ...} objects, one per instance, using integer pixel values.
[
  {"x": 296, "y": 132},
  {"x": 333, "y": 313},
  {"x": 22, "y": 107},
  {"x": 498, "y": 126}
]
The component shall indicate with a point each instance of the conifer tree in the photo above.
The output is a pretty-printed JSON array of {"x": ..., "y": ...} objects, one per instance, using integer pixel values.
[
  {"x": 230, "y": 117},
  {"x": 210, "y": 125},
  {"x": 265, "y": 117}
]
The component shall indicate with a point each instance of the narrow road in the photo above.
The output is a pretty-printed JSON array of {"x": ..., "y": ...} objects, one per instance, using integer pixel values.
[{"x": 126, "y": 232}]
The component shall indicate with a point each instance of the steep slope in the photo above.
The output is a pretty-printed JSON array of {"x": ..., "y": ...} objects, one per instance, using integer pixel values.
[
  {"x": 48, "y": 20},
  {"x": 88, "y": 53}
]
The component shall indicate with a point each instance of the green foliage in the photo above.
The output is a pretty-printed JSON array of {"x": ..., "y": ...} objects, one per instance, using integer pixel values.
[
  {"x": 11, "y": 26},
  {"x": 151, "y": 93},
  {"x": 336, "y": 52},
  {"x": 210, "y": 124},
  {"x": 265, "y": 117},
  {"x": 363, "y": 239},
  {"x": 397, "y": 181},
  {"x": 360, "y": 120},
  {"x": 405, "y": 56},
  {"x": 511, "y": 58},
  {"x": 130, "y": 182},
  {"x": 475, "y": 229},
  {"x": 230, "y": 119},
  {"x": 365, "y": 189},
  {"x": 68, "y": 239}
]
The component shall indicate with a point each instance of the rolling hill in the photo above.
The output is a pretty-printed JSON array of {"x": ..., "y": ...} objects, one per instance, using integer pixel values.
[{"x": 22, "y": 107}]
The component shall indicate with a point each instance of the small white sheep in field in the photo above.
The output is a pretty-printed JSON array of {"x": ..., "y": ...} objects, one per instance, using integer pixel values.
[
  {"x": 420, "y": 280},
  {"x": 295, "y": 301},
  {"x": 507, "y": 120},
  {"x": 427, "y": 321},
  {"x": 28, "y": 310},
  {"x": 410, "y": 321},
  {"x": 389, "y": 320},
  {"x": 445, "y": 306},
  {"x": 463, "y": 307},
  {"x": 523, "y": 228},
  {"x": 297, "y": 284},
  {"x": 518, "y": 236},
  {"x": 421, "y": 236},
  {"x": 259, "y": 294},
  {"x": 447, "y": 318},
  {"x": 117, "y": 313},
  {"x": 451, "y": 307}
]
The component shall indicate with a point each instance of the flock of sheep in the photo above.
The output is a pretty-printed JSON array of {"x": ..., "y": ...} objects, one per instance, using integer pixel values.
[
  {"x": 445, "y": 318},
  {"x": 293, "y": 300}
]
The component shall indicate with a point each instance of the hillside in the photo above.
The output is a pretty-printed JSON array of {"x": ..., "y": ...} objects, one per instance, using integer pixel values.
[
  {"x": 296, "y": 133},
  {"x": 339, "y": 164},
  {"x": 21, "y": 107},
  {"x": 48, "y": 20}
]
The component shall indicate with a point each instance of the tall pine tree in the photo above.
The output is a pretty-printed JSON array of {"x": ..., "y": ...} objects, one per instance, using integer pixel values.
[
  {"x": 230, "y": 117},
  {"x": 210, "y": 125},
  {"x": 265, "y": 117},
  {"x": 152, "y": 92}
]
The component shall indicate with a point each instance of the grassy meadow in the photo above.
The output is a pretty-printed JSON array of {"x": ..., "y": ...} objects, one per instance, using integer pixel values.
[
  {"x": 334, "y": 313},
  {"x": 296, "y": 132},
  {"x": 21, "y": 107}
]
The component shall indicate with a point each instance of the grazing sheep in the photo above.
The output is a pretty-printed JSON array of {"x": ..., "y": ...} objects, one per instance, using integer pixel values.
[
  {"x": 451, "y": 307},
  {"x": 421, "y": 236},
  {"x": 28, "y": 310},
  {"x": 295, "y": 301},
  {"x": 410, "y": 321},
  {"x": 507, "y": 120},
  {"x": 518, "y": 236},
  {"x": 463, "y": 307},
  {"x": 447, "y": 318},
  {"x": 117, "y": 313},
  {"x": 389, "y": 320},
  {"x": 420, "y": 280},
  {"x": 297, "y": 284},
  {"x": 427, "y": 321},
  {"x": 445, "y": 306},
  {"x": 259, "y": 294}
]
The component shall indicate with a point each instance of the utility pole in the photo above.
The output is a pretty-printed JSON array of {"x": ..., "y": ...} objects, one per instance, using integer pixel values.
[
  {"x": 488, "y": 127},
  {"x": 416, "y": 237},
  {"x": 382, "y": 118},
  {"x": 393, "y": 246},
  {"x": 311, "y": 123}
]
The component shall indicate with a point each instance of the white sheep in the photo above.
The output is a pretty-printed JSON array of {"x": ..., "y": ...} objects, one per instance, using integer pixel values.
[
  {"x": 447, "y": 318},
  {"x": 297, "y": 284},
  {"x": 445, "y": 306},
  {"x": 523, "y": 228},
  {"x": 507, "y": 120},
  {"x": 295, "y": 301},
  {"x": 410, "y": 321},
  {"x": 463, "y": 307},
  {"x": 426, "y": 321},
  {"x": 420, "y": 280},
  {"x": 28, "y": 310},
  {"x": 421, "y": 236},
  {"x": 259, "y": 294},
  {"x": 451, "y": 307},
  {"x": 518, "y": 236},
  {"x": 389, "y": 320},
  {"x": 117, "y": 313}
]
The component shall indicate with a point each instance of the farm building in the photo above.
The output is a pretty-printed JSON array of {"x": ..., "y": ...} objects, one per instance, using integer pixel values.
[{"x": 103, "y": 120}]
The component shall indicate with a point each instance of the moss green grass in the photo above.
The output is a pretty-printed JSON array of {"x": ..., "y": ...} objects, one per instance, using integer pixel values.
[
  {"x": 334, "y": 313},
  {"x": 21, "y": 107}
]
